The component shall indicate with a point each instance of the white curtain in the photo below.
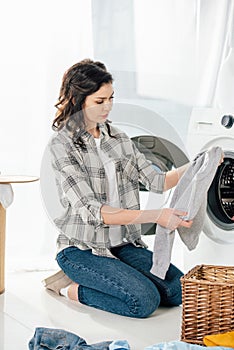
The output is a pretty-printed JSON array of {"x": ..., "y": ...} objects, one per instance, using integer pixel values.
[
  {"x": 180, "y": 48},
  {"x": 39, "y": 41},
  {"x": 214, "y": 33},
  {"x": 224, "y": 92}
]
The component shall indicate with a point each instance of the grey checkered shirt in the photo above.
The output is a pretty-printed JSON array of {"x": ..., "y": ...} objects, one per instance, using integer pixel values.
[{"x": 81, "y": 183}]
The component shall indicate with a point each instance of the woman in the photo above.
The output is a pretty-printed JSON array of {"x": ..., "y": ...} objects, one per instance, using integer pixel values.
[{"x": 104, "y": 262}]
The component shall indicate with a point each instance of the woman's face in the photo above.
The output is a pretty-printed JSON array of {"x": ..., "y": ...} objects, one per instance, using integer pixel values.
[{"x": 98, "y": 105}]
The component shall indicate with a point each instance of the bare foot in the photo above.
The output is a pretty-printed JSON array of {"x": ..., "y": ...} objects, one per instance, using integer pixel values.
[{"x": 72, "y": 292}]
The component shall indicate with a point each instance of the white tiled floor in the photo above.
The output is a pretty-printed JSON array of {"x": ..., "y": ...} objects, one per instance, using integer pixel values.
[{"x": 26, "y": 305}]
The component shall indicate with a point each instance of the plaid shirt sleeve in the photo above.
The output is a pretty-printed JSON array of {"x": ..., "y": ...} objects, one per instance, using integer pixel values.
[{"x": 73, "y": 181}]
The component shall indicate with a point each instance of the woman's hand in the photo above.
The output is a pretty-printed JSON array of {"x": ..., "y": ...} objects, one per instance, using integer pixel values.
[
  {"x": 173, "y": 218},
  {"x": 221, "y": 159}
]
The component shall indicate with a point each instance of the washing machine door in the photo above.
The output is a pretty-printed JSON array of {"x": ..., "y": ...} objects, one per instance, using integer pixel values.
[
  {"x": 219, "y": 225},
  {"x": 163, "y": 154}
]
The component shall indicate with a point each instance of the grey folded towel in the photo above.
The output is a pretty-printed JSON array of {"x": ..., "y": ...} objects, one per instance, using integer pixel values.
[{"x": 190, "y": 195}]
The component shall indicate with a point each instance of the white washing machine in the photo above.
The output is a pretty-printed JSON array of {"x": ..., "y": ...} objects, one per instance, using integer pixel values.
[{"x": 214, "y": 127}]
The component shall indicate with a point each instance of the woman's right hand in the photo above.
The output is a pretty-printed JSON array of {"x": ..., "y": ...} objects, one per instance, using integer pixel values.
[{"x": 172, "y": 218}]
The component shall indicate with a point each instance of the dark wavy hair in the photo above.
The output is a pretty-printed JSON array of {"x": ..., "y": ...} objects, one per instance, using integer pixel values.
[{"x": 79, "y": 81}]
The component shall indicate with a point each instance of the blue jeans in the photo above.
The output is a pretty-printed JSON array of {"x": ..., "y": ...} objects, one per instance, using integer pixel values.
[
  {"x": 52, "y": 339},
  {"x": 122, "y": 286}
]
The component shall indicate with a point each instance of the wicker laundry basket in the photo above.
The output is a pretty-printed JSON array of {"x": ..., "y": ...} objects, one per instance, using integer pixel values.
[{"x": 207, "y": 302}]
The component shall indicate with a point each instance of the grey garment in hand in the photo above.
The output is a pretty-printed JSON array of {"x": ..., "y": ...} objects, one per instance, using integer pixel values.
[{"x": 190, "y": 195}]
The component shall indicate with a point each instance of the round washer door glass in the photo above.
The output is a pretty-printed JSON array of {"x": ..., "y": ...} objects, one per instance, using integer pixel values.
[{"x": 220, "y": 204}]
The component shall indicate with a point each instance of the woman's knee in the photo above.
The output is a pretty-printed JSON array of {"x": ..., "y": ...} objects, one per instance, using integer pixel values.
[
  {"x": 147, "y": 303},
  {"x": 173, "y": 297},
  {"x": 170, "y": 288}
]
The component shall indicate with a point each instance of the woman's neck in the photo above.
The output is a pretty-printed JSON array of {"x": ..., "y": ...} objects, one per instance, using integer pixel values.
[{"x": 94, "y": 131}]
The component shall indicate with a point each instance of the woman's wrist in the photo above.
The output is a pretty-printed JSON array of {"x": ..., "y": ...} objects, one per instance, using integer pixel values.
[{"x": 172, "y": 177}]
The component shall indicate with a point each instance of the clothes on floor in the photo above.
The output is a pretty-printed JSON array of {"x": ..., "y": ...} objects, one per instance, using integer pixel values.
[
  {"x": 52, "y": 339},
  {"x": 221, "y": 339},
  {"x": 180, "y": 345},
  {"x": 190, "y": 195},
  {"x": 119, "y": 345},
  {"x": 124, "y": 285}
]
